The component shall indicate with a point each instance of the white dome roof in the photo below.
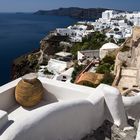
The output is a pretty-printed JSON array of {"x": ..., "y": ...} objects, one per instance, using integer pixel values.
[{"x": 109, "y": 46}]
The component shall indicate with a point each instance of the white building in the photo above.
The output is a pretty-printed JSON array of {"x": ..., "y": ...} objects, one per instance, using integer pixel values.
[
  {"x": 101, "y": 25},
  {"x": 56, "y": 66},
  {"x": 106, "y": 48},
  {"x": 75, "y": 35},
  {"x": 137, "y": 20},
  {"x": 63, "y": 54},
  {"x": 65, "y": 76},
  {"x": 79, "y": 27},
  {"x": 108, "y": 14},
  {"x": 121, "y": 31},
  {"x": 76, "y": 32},
  {"x": 87, "y": 54},
  {"x": 112, "y": 19},
  {"x": 66, "y": 32},
  {"x": 134, "y": 18}
]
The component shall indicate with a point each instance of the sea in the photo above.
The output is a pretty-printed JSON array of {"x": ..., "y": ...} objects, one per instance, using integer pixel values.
[{"x": 21, "y": 33}]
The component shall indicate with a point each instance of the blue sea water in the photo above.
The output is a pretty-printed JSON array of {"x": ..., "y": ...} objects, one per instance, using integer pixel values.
[{"x": 21, "y": 33}]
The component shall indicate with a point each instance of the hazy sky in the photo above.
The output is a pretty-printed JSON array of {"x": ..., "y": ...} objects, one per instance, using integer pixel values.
[{"x": 34, "y": 5}]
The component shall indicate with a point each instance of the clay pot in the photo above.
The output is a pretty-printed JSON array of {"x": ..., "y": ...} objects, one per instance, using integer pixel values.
[{"x": 29, "y": 91}]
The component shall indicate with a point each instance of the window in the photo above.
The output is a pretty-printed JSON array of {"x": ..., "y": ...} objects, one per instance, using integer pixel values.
[{"x": 64, "y": 77}]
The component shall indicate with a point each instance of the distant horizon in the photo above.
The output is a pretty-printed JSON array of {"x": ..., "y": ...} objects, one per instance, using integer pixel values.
[
  {"x": 13, "y": 6},
  {"x": 64, "y": 7}
]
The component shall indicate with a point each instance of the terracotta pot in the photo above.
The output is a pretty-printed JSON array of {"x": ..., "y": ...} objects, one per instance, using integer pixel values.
[{"x": 29, "y": 91}]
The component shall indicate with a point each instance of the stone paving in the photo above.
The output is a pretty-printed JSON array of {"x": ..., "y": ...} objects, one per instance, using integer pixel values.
[{"x": 109, "y": 131}]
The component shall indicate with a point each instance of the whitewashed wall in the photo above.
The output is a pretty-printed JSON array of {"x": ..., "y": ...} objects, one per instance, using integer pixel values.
[{"x": 69, "y": 111}]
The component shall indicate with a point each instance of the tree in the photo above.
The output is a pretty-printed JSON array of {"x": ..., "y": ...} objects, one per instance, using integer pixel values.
[
  {"x": 104, "y": 68},
  {"x": 108, "y": 79},
  {"x": 92, "y": 42},
  {"x": 108, "y": 59},
  {"x": 77, "y": 70}
]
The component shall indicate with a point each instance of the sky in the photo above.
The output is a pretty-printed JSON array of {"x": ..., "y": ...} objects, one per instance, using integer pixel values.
[{"x": 34, "y": 5}]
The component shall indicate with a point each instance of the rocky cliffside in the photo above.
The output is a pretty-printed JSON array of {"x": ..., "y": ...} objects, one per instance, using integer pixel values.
[
  {"x": 91, "y": 13},
  {"x": 135, "y": 53},
  {"x": 31, "y": 62},
  {"x": 51, "y": 43},
  {"x": 25, "y": 64},
  {"x": 128, "y": 59}
]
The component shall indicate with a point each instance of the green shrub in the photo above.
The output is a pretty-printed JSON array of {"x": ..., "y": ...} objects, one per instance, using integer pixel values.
[
  {"x": 37, "y": 67},
  {"x": 92, "y": 42},
  {"x": 121, "y": 41},
  {"x": 125, "y": 49},
  {"x": 112, "y": 67},
  {"x": 77, "y": 70},
  {"x": 108, "y": 59},
  {"x": 104, "y": 68},
  {"x": 108, "y": 79}
]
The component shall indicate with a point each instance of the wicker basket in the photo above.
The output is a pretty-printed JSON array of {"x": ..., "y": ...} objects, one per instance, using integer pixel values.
[{"x": 29, "y": 91}]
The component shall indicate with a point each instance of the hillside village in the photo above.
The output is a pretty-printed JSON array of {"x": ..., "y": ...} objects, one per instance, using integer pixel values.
[{"x": 88, "y": 53}]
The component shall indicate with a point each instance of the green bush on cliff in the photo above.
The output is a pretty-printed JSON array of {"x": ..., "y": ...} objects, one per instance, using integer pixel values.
[
  {"x": 121, "y": 41},
  {"x": 103, "y": 68},
  {"x": 108, "y": 59},
  {"x": 108, "y": 79},
  {"x": 92, "y": 42},
  {"x": 77, "y": 70},
  {"x": 125, "y": 49},
  {"x": 106, "y": 66},
  {"x": 33, "y": 60}
]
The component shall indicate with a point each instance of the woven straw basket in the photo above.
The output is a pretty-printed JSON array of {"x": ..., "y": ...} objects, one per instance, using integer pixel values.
[{"x": 29, "y": 91}]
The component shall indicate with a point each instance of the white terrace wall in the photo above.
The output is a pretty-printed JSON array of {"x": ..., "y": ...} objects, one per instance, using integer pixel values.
[
  {"x": 65, "y": 91},
  {"x": 71, "y": 118},
  {"x": 75, "y": 111},
  {"x": 7, "y": 99}
]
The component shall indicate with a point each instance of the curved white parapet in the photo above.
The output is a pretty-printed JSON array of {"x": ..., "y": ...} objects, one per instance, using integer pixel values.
[
  {"x": 7, "y": 95},
  {"x": 69, "y": 116},
  {"x": 57, "y": 121},
  {"x": 115, "y": 105},
  {"x": 68, "y": 111},
  {"x": 132, "y": 106},
  {"x": 65, "y": 91}
]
